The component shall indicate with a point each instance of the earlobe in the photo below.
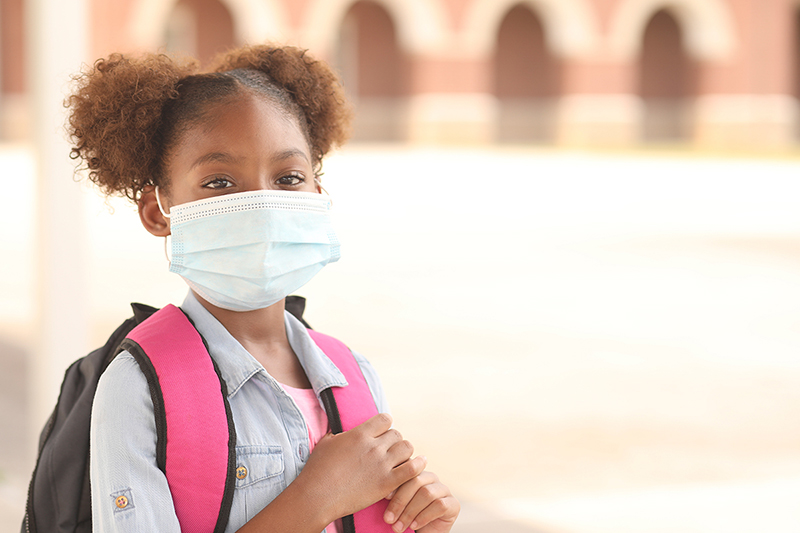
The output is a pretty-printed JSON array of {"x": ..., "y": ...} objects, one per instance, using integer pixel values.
[{"x": 150, "y": 215}]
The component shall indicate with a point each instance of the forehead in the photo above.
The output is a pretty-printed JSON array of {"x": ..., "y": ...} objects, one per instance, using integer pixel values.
[{"x": 247, "y": 119}]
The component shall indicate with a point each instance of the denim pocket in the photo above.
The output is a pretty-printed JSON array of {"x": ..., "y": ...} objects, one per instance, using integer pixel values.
[{"x": 255, "y": 464}]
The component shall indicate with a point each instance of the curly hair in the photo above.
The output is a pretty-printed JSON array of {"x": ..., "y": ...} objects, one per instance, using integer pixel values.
[{"x": 127, "y": 114}]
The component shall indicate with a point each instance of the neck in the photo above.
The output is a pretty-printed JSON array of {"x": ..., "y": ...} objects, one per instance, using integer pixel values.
[
  {"x": 262, "y": 333},
  {"x": 260, "y": 327}
]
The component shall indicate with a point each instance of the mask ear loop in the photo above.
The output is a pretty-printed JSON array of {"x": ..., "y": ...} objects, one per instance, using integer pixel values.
[
  {"x": 166, "y": 215},
  {"x": 321, "y": 188},
  {"x": 160, "y": 208},
  {"x": 165, "y": 250}
]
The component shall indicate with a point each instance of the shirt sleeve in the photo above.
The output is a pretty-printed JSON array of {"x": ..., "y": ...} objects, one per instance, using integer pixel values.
[
  {"x": 129, "y": 492},
  {"x": 374, "y": 382}
]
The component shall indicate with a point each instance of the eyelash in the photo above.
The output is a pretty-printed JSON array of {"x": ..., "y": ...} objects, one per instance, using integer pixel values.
[
  {"x": 295, "y": 175},
  {"x": 216, "y": 180}
]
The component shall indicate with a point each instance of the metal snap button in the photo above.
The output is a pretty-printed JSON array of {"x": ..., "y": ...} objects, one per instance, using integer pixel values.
[
  {"x": 121, "y": 501},
  {"x": 241, "y": 472}
]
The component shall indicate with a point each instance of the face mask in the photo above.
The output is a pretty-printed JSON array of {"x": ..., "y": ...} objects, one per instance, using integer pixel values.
[{"x": 249, "y": 250}]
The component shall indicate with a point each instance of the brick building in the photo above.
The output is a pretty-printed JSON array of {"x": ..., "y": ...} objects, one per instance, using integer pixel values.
[{"x": 718, "y": 73}]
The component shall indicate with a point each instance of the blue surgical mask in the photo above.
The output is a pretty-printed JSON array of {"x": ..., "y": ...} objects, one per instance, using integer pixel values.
[{"x": 249, "y": 250}]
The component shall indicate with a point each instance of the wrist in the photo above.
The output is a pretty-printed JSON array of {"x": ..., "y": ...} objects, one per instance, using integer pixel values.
[
  {"x": 318, "y": 504},
  {"x": 295, "y": 510}
]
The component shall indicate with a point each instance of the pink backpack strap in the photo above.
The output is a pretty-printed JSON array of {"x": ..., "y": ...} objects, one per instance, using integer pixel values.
[
  {"x": 348, "y": 407},
  {"x": 196, "y": 446}
]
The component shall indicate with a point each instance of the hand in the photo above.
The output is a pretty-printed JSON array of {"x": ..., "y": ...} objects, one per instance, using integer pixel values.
[
  {"x": 353, "y": 470},
  {"x": 424, "y": 504}
]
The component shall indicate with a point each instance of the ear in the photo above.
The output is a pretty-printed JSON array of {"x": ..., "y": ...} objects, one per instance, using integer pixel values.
[{"x": 150, "y": 215}]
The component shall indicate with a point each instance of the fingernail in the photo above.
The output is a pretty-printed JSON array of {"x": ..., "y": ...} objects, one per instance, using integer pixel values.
[
  {"x": 399, "y": 527},
  {"x": 413, "y": 525},
  {"x": 388, "y": 518}
]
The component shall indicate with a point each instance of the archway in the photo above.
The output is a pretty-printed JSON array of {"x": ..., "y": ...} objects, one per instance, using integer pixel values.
[
  {"x": 374, "y": 71},
  {"x": 421, "y": 25},
  {"x": 709, "y": 30},
  {"x": 254, "y": 21},
  {"x": 527, "y": 79},
  {"x": 200, "y": 28},
  {"x": 572, "y": 25},
  {"x": 666, "y": 81}
]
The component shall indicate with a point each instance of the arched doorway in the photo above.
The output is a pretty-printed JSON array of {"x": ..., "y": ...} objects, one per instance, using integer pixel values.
[
  {"x": 527, "y": 79},
  {"x": 200, "y": 28},
  {"x": 666, "y": 81},
  {"x": 375, "y": 73}
]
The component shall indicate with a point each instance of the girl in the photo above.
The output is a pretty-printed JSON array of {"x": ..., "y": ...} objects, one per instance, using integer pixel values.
[{"x": 185, "y": 146}]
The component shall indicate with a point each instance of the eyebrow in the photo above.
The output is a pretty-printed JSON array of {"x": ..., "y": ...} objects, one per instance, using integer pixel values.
[
  {"x": 288, "y": 154},
  {"x": 215, "y": 157},
  {"x": 225, "y": 157}
]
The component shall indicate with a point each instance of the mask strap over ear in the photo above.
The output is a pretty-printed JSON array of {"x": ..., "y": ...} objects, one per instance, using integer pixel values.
[
  {"x": 158, "y": 201},
  {"x": 319, "y": 184},
  {"x": 160, "y": 208},
  {"x": 165, "y": 250}
]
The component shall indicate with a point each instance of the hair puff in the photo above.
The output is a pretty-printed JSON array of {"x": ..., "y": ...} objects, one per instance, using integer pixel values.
[{"x": 115, "y": 118}]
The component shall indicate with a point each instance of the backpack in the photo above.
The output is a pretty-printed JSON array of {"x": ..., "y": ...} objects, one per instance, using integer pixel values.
[{"x": 162, "y": 341}]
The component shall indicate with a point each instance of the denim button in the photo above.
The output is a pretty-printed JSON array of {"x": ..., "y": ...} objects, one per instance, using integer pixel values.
[
  {"x": 122, "y": 502},
  {"x": 241, "y": 472}
]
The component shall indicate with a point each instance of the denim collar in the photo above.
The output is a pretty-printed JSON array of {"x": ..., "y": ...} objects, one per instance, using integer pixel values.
[{"x": 237, "y": 366}]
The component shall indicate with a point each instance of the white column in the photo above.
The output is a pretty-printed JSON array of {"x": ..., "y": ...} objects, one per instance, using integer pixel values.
[{"x": 57, "y": 37}]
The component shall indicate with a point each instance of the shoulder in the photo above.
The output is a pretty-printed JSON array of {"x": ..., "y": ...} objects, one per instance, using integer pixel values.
[
  {"x": 122, "y": 397},
  {"x": 121, "y": 378}
]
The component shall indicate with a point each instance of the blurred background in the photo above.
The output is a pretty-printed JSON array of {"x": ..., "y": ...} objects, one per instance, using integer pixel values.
[{"x": 571, "y": 242}]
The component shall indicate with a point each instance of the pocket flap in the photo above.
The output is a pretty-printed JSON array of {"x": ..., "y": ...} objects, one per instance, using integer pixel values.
[{"x": 257, "y": 463}]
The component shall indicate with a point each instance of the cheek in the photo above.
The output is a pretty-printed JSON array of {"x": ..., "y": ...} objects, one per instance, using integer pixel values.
[{"x": 310, "y": 185}]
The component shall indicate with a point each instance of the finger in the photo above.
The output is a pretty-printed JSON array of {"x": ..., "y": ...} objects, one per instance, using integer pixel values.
[
  {"x": 399, "y": 451},
  {"x": 403, "y": 495},
  {"x": 428, "y": 495},
  {"x": 445, "y": 508},
  {"x": 389, "y": 439},
  {"x": 409, "y": 469},
  {"x": 376, "y": 426}
]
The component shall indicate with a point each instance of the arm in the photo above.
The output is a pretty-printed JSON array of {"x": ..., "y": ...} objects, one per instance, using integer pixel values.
[{"x": 122, "y": 455}]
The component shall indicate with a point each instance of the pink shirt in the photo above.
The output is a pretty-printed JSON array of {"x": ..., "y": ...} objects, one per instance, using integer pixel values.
[{"x": 317, "y": 423}]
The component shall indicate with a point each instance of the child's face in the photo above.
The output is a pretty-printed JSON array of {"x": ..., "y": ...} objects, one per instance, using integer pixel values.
[{"x": 243, "y": 145}]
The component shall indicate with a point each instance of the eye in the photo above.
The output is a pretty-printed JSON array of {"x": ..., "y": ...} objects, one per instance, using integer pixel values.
[
  {"x": 218, "y": 182},
  {"x": 291, "y": 179}
]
